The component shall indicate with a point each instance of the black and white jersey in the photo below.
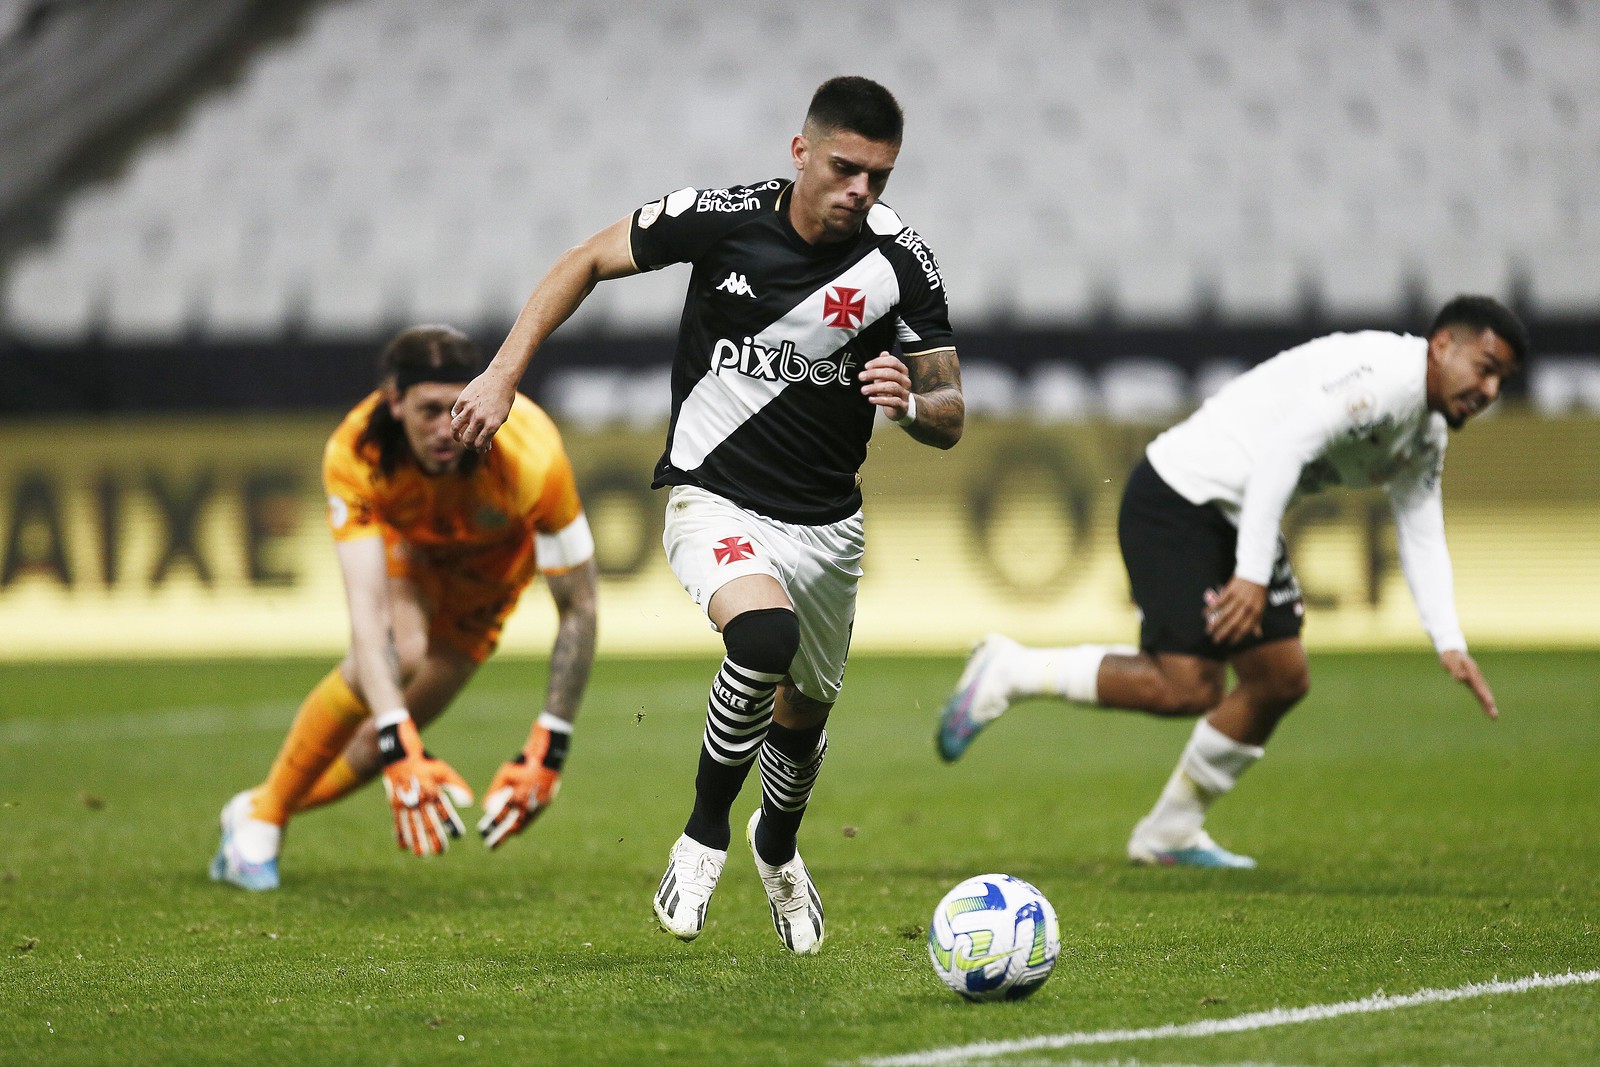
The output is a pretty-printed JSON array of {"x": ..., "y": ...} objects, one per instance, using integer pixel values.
[{"x": 766, "y": 408}]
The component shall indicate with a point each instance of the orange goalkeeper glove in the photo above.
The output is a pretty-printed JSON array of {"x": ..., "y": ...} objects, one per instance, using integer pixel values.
[
  {"x": 422, "y": 790},
  {"x": 525, "y": 786}
]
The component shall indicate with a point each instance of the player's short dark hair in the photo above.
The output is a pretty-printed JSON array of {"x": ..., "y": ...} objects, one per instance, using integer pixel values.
[
  {"x": 1486, "y": 313},
  {"x": 859, "y": 105},
  {"x": 418, "y": 353}
]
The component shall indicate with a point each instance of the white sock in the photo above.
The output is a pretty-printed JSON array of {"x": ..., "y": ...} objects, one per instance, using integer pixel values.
[
  {"x": 1071, "y": 672},
  {"x": 1209, "y": 767},
  {"x": 257, "y": 841}
]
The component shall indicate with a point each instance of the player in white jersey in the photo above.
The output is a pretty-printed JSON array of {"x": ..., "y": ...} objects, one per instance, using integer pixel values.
[
  {"x": 800, "y": 292},
  {"x": 1199, "y": 531}
]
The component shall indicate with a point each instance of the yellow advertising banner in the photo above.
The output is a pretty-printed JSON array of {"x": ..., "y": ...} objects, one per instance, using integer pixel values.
[{"x": 182, "y": 537}]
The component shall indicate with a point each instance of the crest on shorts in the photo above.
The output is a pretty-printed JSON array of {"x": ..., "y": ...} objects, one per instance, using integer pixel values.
[{"x": 732, "y": 550}]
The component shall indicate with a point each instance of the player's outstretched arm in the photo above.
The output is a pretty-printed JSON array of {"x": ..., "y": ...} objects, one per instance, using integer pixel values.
[
  {"x": 1464, "y": 669},
  {"x": 525, "y": 785},
  {"x": 423, "y": 791},
  {"x": 922, "y": 393},
  {"x": 486, "y": 401}
]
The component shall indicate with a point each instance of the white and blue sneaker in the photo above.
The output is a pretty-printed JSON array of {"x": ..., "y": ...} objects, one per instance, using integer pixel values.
[
  {"x": 248, "y": 854},
  {"x": 686, "y": 888},
  {"x": 1198, "y": 851},
  {"x": 981, "y": 696},
  {"x": 792, "y": 896}
]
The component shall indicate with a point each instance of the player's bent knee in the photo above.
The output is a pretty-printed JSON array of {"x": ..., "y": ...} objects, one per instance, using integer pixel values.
[
  {"x": 1186, "y": 698},
  {"x": 798, "y": 711},
  {"x": 1290, "y": 689},
  {"x": 765, "y": 639}
]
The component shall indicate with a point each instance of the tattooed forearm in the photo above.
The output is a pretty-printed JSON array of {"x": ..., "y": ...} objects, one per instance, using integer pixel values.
[
  {"x": 573, "y": 653},
  {"x": 941, "y": 410}
]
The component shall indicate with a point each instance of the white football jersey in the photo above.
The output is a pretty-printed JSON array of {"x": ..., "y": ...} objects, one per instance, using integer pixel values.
[{"x": 1347, "y": 409}]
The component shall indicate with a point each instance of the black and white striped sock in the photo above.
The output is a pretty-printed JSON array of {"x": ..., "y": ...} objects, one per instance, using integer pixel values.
[
  {"x": 790, "y": 763},
  {"x": 738, "y": 715}
]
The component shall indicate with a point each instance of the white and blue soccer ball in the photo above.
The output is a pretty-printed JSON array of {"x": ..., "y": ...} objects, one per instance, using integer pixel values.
[{"x": 994, "y": 937}]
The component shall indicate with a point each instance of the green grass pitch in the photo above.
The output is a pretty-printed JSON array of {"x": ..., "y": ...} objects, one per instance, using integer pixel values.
[{"x": 1405, "y": 844}]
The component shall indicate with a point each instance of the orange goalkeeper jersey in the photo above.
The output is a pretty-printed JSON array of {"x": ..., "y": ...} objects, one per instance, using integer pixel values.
[{"x": 478, "y": 525}]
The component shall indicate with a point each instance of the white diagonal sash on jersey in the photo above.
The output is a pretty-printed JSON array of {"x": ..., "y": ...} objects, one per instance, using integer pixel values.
[{"x": 722, "y": 401}]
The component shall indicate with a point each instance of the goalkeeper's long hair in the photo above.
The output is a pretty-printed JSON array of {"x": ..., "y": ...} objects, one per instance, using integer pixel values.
[{"x": 418, "y": 353}]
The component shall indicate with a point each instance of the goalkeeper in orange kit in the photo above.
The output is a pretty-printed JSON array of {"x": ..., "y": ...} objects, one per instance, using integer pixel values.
[{"x": 435, "y": 543}]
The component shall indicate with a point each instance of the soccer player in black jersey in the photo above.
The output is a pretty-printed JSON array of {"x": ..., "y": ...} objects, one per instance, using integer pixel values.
[{"x": 801, "y": 293}]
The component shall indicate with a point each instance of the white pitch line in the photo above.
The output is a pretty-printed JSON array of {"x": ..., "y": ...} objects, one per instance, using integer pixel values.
[{"x": 1238, "y": 1024}]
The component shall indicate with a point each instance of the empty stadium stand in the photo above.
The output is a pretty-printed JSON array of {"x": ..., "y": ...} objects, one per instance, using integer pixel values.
[{"x": 1072, "y": 161}]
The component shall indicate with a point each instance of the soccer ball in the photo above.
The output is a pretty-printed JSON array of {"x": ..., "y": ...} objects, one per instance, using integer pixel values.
[{"x": 994, "y": 937}]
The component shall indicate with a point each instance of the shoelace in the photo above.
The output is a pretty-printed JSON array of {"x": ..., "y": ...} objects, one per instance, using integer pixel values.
[
  {"x": 705, "y": 867},
  {"x": 791, "y": 882}
]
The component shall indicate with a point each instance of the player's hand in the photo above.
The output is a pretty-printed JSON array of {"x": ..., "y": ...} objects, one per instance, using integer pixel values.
[
  {"x": 1234, "y": 613},
  {"x": 520, "y": 792},
  {"x": 423, "y": 791},
  {"x": 886, "y": 383},
  {"x": 1464, "y": 669},
  {"x": 481, "y": 410}
]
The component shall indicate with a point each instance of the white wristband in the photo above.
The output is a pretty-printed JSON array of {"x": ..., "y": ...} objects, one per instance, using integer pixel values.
[
  {"x": 911, "y": 411},
  {"x": 393, "y": 718},
  {"x": 554, "y": 723}
]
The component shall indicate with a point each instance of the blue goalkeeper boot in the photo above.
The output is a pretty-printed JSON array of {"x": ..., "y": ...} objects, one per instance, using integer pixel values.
[{"x": 229, "y": 864}]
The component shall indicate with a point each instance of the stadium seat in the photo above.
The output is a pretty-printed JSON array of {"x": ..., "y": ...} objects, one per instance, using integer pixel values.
[
  {"x": 1564, "y": 278},
  {"x": 1143, "y": 390},
  {"x": 51, "y": 299},
  {"x": 1155, "y": 285},
  {"x": 1258, "y": 283},
  {"x": 151, "y": 303},
  {"x": 1061, "y": 392},
  {"x": 1362, "y": 282},
  {"x": 1560, "y": 385}
]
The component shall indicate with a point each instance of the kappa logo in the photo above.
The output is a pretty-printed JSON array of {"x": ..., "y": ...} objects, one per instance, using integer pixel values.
[
  {"x": 736, "y": 284},
  {"x": 843, "y": 308}
]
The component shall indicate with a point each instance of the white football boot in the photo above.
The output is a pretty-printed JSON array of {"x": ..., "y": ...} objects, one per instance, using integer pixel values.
[
  {"x": 1144, "y": 850},
  {"x": 692, "y": 873},
  {"x": 796, "y": 907}
]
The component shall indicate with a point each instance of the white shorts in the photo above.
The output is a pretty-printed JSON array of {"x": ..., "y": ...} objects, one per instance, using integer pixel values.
[{"x": 710, "y": 541}]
